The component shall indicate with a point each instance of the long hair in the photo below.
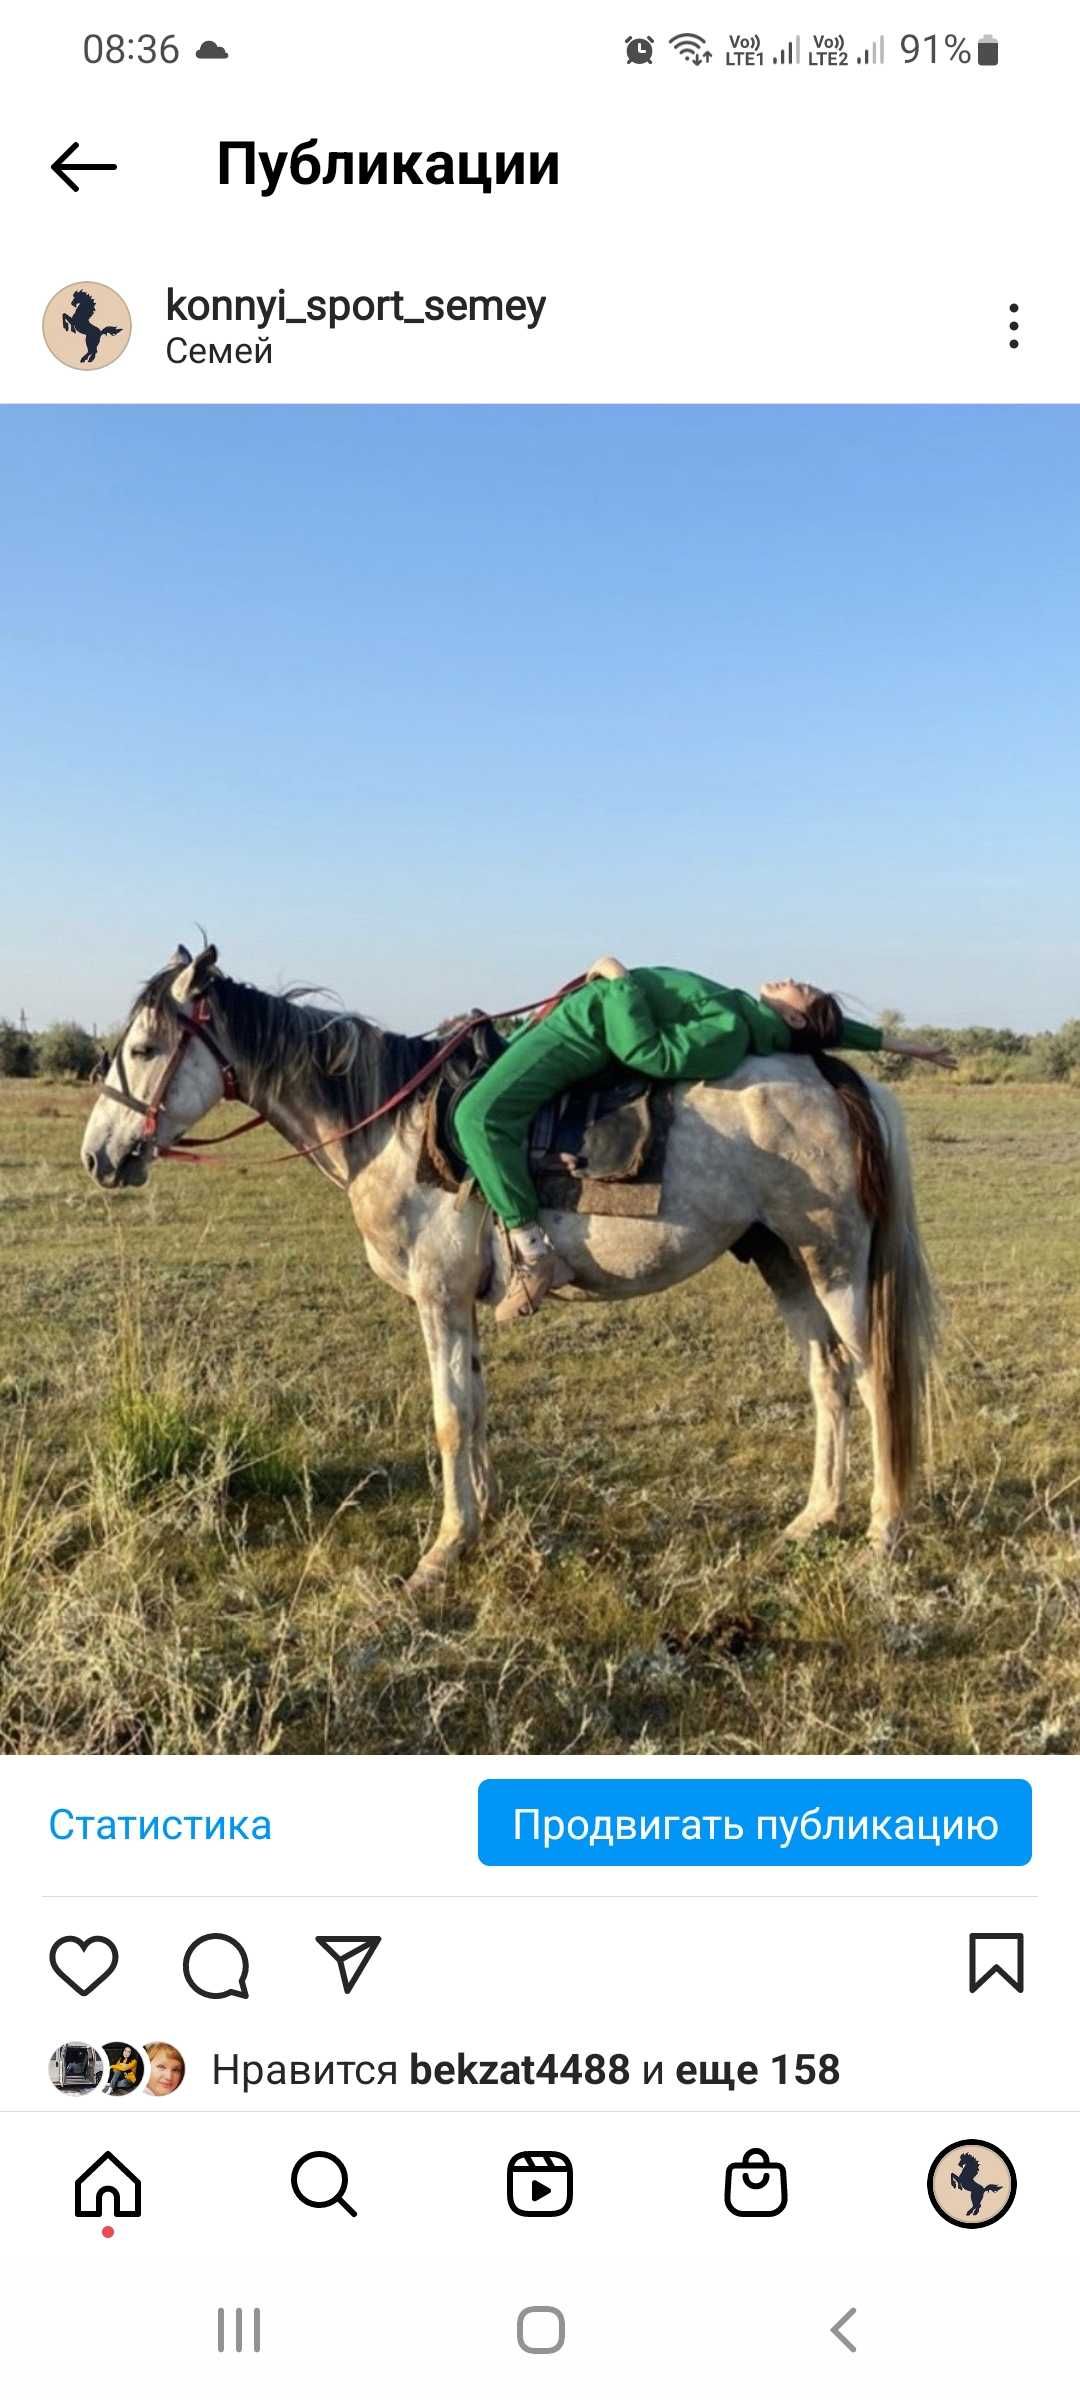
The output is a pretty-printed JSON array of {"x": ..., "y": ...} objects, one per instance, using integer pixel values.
[
  {"x": 822, "y": 1024},
  {"x": 902, "y": 1326},
  {"x": 866, "y": 1129}
]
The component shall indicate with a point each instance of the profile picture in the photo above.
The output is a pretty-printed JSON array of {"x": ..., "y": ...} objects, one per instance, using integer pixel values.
[
  {"x": 125, "y": 2068},
  {"x": 87, "y": 326},
  {"x": 167, "y": 2069},
  {"x": 76, "y": 2067}
]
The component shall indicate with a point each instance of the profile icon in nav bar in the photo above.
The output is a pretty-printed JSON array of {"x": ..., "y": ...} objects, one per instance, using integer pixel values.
[{"x": 993, "y": 1955}]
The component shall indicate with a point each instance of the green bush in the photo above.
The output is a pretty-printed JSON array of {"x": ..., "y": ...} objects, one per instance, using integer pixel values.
[
  {"x": 67, "y": 1049},
  {"x": 17, "y": 1055},
  {"x": 1055, "y": 1057}
]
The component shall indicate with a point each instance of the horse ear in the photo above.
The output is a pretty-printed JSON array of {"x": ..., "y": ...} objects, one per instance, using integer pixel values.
[
  {"x": 181, "y": 956},
  {"x": 195, "y": 978}
]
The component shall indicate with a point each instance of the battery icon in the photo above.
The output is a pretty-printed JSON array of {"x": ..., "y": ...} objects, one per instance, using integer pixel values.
[{"x": 988, "y": 50}]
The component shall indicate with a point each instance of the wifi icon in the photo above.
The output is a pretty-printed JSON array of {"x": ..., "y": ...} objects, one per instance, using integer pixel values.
[{"x": 692, "y": 47}]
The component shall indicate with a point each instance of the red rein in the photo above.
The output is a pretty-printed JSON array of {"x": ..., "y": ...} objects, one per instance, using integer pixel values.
[{"x": 198, "y": 1022}]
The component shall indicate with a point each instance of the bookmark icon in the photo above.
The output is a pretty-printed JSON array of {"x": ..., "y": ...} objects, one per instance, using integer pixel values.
[{"x": 991, "y": 1954}]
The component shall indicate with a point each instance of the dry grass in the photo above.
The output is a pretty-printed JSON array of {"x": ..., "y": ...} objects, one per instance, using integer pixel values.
[{"x": 216, "y": 1470}]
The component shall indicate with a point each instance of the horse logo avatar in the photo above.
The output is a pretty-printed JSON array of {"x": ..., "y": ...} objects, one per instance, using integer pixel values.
[
  {"x": 87, "y": 325},
  {"x": 81, "y": 322},
  {"x": 965, "y": 2182},
  {"x": 972, "y": 2184}
]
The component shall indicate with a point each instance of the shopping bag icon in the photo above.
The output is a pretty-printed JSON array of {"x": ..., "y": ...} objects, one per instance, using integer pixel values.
[{"x": 755, "y": 2186}]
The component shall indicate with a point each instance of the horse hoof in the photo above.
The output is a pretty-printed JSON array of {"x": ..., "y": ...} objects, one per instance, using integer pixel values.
[
  {"x": 883, "y": 1539},
  {"x": 806, "y": 1524},
  {"x": 430, "y": 1575}
]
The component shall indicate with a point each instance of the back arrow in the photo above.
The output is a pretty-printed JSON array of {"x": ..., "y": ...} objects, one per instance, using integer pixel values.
[
  {"x": 86, "y": 166},
  {"x": 840, "y": 2322}
]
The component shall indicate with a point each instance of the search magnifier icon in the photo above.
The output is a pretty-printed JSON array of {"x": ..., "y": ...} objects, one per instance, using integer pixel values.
[{"x": 316, "y": 2195}]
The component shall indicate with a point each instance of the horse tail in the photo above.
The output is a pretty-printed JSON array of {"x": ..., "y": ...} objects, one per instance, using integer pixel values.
[{"x": 902, "y": 1309}]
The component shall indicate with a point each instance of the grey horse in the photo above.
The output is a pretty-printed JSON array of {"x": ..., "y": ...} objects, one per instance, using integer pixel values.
[{"x": 810, "y": 1176}]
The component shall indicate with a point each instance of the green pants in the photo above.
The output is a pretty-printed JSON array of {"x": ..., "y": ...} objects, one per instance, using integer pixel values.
[{"x": 491, "y": 1123}]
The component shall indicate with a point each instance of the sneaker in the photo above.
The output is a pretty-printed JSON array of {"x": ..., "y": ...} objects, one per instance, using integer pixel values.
[{"x": 531, "y": 1279}]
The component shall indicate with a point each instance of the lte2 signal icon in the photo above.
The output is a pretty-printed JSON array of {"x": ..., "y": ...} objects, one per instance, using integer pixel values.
[{"x": 692, "y": 47}]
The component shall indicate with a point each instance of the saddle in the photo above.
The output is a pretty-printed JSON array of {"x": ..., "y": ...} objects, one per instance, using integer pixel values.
[{"x": 598, "y": 1148}]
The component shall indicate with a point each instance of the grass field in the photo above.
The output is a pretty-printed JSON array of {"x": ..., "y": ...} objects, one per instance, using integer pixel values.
[{"x": 218, "y": 1468}]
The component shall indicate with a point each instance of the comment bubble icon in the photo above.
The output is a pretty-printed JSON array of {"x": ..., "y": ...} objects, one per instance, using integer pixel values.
[{"x": 216, "y": 1966}]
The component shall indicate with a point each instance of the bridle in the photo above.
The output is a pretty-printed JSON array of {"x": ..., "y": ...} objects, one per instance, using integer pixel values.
[
  {"x": 196, "y": 1027},
  {"x": 193, "y": 1027}
]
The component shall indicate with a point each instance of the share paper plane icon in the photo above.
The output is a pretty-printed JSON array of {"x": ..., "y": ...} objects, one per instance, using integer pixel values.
[{"x": 351, "y": 1953}]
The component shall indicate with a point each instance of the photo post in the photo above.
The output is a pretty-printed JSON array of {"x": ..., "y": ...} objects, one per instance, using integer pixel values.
[{"x": 539, "y": 1190}]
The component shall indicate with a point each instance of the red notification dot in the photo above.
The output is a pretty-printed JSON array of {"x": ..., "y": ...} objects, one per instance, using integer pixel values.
[{"x": 107, "y": 2232}]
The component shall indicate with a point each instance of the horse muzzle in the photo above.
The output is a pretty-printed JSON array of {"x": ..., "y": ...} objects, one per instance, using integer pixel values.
[{"x": 113, "y": 1175}]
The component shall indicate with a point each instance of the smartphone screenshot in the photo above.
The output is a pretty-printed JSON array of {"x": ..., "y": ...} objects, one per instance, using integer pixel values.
[{"x": 539, "y": 1188}]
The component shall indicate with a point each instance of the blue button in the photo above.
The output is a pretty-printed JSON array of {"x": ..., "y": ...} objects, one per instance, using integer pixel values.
[{"x": 716, "y": 1821}]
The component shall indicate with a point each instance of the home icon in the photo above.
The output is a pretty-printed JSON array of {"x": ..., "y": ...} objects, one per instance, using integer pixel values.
[{"x": 108, "y": 2181}]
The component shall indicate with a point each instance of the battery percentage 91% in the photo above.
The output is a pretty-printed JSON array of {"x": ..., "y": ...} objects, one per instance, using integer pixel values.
[{"x": 932, "y": 46}]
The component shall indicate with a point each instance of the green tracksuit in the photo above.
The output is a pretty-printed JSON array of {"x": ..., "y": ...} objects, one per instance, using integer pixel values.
[{"x": 657, "y": 1021}]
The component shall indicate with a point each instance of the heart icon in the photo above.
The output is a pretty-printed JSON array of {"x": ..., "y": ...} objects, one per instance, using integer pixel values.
[{"x": 96, "y": 1958}]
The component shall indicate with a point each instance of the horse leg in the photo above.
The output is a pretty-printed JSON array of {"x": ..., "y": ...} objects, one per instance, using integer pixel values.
[
  {"x": 847, "y": 1308},
  {"x": 483, "y": 1478},
  {"x": 447, "y": 1327},
  {"x": 829, "y": 1374}
]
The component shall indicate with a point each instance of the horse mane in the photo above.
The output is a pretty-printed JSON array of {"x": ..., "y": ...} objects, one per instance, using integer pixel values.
[{"x": 285, "y": 1048}]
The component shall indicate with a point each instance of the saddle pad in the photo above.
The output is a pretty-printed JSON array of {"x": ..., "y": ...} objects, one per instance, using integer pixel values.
[
  {"x": 598, "y": 1148},
  {"x": 587, "y": 1193},
  {"x": 599, "y": 1131},
  {"x": 587, "y": 1196}
]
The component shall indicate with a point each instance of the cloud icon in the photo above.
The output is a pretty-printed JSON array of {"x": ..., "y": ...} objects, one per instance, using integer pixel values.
[{"x": 211, "y": 50}]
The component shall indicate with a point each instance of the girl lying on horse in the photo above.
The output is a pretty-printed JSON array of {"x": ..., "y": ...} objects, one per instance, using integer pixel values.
[{"x": 657, "y": 1021}]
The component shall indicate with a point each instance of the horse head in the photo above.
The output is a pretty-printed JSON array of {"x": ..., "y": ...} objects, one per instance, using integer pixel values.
[{"x": 159, "y": 1081}]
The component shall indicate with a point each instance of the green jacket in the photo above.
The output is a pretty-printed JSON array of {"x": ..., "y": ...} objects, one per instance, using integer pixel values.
[{"x": 668, "y": 1022}]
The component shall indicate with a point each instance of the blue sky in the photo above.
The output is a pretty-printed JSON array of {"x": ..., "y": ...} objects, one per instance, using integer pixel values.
[{"x": 431, "y": 705}]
